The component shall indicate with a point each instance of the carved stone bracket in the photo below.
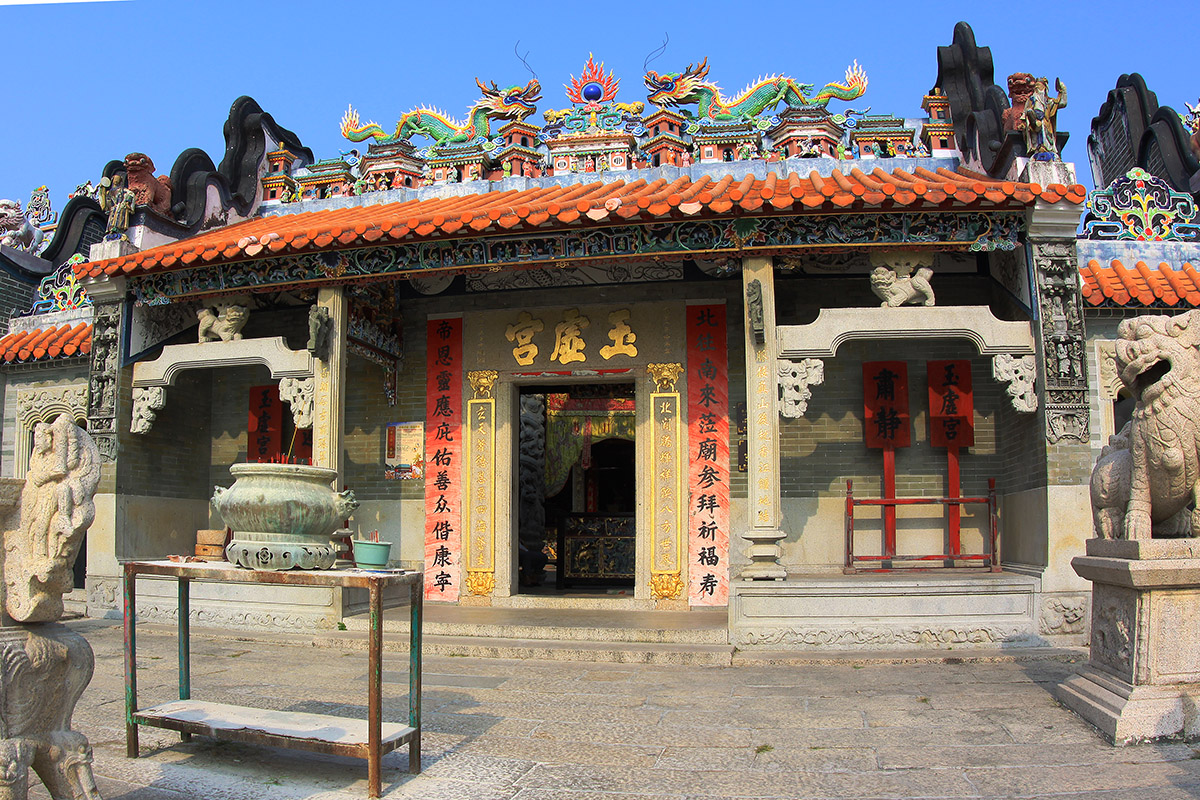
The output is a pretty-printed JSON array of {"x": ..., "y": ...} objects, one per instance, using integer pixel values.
[
  {"x": 272, "y": 353},
  {"x": 147, "y": 402},
  {"x": 1019, "y": 372},
  {"x": 795, "y": 380},
  {"x": 300, "y": 394},
  {"x": 665, "y": 375}
]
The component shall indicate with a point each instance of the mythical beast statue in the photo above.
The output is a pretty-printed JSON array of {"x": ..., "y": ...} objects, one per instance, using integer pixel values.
[
  {"x": 690, "y": 86},
  {"x": 45, "y": 666},
  {"x": 1148, "y": 475},
  {"x": 515, "y": 102},
  {"x": 17, "y": 229}
]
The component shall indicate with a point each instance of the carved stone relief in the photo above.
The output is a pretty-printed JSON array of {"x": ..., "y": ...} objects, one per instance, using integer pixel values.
[
  {"x": 1114, "y": 628},
  {"x": 43, "y": 405},
  {"x": 102, "y": 379},
  {"x": 1019, "y": 372},
  {"x": 300, "y": 394},
  {"x": 795, "y": 380},
  {"x": 1063, "y": 615},
  {"x": 1062, "y": 339},
  {"x": 147, "y": 402}
]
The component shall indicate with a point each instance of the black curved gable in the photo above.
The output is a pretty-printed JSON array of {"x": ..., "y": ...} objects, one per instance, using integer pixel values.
[{"x": 1132, "y": 130}]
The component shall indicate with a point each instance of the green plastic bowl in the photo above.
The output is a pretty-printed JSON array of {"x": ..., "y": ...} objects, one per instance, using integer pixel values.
[{"x": 371, "y": 555}]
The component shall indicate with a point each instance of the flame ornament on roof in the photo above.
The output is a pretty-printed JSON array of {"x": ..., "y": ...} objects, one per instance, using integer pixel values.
[
  {"x": 515, "y": 102},
  {"x": 594, "y": 85},
  {"x": 690, "y": 87}
]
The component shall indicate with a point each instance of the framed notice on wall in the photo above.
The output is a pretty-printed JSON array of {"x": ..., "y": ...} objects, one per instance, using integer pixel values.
[{"x": 404, "y": 451}]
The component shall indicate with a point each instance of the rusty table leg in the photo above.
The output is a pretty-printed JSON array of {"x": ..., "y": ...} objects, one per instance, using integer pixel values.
[
  {"x": 375, "y": 693},
  {"x": 130, "y": 621},
  {"x": 415, "y": 600},
  {"x": 185, "y": 646}
]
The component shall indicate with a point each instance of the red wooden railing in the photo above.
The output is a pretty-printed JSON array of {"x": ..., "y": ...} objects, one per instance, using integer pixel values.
[{"x": 990, "y": 559}]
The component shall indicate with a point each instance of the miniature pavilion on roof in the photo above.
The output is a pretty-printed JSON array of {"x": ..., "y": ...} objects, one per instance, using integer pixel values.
[{"x": 656, "y": 353}]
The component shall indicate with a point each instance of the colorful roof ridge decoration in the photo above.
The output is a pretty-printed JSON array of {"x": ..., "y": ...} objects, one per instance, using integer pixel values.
[
  {"x": 1142, "y": 208},
  {"x": 515, "y": 102},
  {"x": 690, "y": 87},
  {"x": 554, "y": 207},
  {"x": 1140, "y": 285},
  {"x": 596, "y": 111},
  {"x": 60, "y": 290},
  {"x": 43, "y": 344}
]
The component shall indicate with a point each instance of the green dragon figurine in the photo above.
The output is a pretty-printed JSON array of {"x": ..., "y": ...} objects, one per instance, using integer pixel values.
[
  {"x": 515, "y": 102},
  {"x": 689, "y": 86}
]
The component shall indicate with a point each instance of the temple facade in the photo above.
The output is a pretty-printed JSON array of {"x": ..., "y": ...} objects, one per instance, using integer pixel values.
[{"x": 767, "y": 353}]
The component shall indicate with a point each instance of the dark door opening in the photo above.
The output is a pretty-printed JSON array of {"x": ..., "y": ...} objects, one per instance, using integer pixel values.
[{"x": 578, "y": 488}]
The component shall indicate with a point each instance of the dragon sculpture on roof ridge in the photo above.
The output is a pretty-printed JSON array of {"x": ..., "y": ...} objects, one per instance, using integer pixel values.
[
  {"x": 515, "y": 102},
  {"x": 690, "y": 86}
]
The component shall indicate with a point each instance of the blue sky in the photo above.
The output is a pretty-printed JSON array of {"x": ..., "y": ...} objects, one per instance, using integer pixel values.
[{"x": 94, "y": 81}]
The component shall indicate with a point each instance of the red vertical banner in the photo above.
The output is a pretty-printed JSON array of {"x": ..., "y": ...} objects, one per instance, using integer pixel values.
[
  {"x": 708, "y": 455},
  {"x": 951, "y": 404},
  {"x": 885, "y": 404},
  {"x": 266, "y": 424},
  {"x": 443, "y": 446}
]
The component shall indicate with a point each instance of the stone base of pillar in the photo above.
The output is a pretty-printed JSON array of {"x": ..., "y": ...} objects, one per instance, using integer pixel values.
[
  {"x": 764, "y": 555},
  {"x": 1142, "y": 680},
  {"x": 1126, "y": 713}
]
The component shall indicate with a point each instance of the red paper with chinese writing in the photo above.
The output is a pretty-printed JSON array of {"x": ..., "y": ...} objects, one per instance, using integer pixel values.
[
  {"x": 951, "y": 404},
  {"x": 885, "y": 403},
  {"x": 708, "y": 456},
  {"x": 443, "y": 448},
  {"x": 266, "y": 424}
]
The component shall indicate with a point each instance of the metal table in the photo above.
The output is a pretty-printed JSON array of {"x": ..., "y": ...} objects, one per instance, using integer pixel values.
[{"x": 315, "y": 732}]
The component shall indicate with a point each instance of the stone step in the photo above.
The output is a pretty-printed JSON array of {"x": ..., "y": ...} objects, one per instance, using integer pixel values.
[
  {"x": 674, "y": 653},
  {"x": 700, "y": 627}
]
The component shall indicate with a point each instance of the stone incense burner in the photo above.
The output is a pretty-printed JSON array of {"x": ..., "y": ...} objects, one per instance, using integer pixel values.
[{"x": 282, "y": 515}]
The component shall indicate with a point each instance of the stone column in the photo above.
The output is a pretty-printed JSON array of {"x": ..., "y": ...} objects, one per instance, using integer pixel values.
[
  {"x": 330, "y": 392},
  {"x": 108, "y": 295},
  {"x": 1063, "y": 380},
  {"x": 762, "y": 420}
]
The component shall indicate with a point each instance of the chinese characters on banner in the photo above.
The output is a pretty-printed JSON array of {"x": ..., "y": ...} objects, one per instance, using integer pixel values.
[
  {"x": 443, "y": 468},
  {"x": 266, "y": 424},
  {"x": 885, "y": 400},
  {"x": 951, "y": 404},
  {"x": 708, "y": 456}
]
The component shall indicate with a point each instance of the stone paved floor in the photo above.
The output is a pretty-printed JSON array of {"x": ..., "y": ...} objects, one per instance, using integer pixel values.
[{"x": 501, "y": 730}]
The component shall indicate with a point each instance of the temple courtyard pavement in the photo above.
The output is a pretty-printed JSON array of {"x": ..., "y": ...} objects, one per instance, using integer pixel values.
[{"x": 935, "y": 725}]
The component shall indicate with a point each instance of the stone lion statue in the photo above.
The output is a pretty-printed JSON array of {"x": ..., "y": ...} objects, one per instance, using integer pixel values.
[
  {"x": 895, "y": 290},
  {"x": 148, "y": 190},
  {"x": 227, "y": 327},
  {"x": 1146, "y": 480}
]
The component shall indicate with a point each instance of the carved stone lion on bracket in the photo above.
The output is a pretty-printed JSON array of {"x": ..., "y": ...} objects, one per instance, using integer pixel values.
[
  {"x": 1147, "y": 479},
  {"x": 227, "y": 327}
]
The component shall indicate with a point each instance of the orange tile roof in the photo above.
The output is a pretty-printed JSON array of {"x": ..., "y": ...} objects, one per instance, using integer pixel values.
[
  {"x": 1140, "y": 284},
  {"x": 43, "y": 344},
  {"x": 577, "y": 204}
]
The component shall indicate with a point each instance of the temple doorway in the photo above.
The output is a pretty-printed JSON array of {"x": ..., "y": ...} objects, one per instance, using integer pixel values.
[{"x": 576, "y": 526}]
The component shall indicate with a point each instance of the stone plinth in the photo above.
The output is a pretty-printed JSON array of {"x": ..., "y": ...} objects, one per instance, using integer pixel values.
[
  {"x": 885, "y": 611},
  {"x": 1142, "y": 680}
]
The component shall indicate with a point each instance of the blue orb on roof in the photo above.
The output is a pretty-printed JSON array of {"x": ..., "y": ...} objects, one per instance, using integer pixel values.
[{"x": 592, "y": 92}]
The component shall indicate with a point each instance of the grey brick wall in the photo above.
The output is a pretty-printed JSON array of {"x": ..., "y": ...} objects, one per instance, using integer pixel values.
[{"x": 821, "y": 451}]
